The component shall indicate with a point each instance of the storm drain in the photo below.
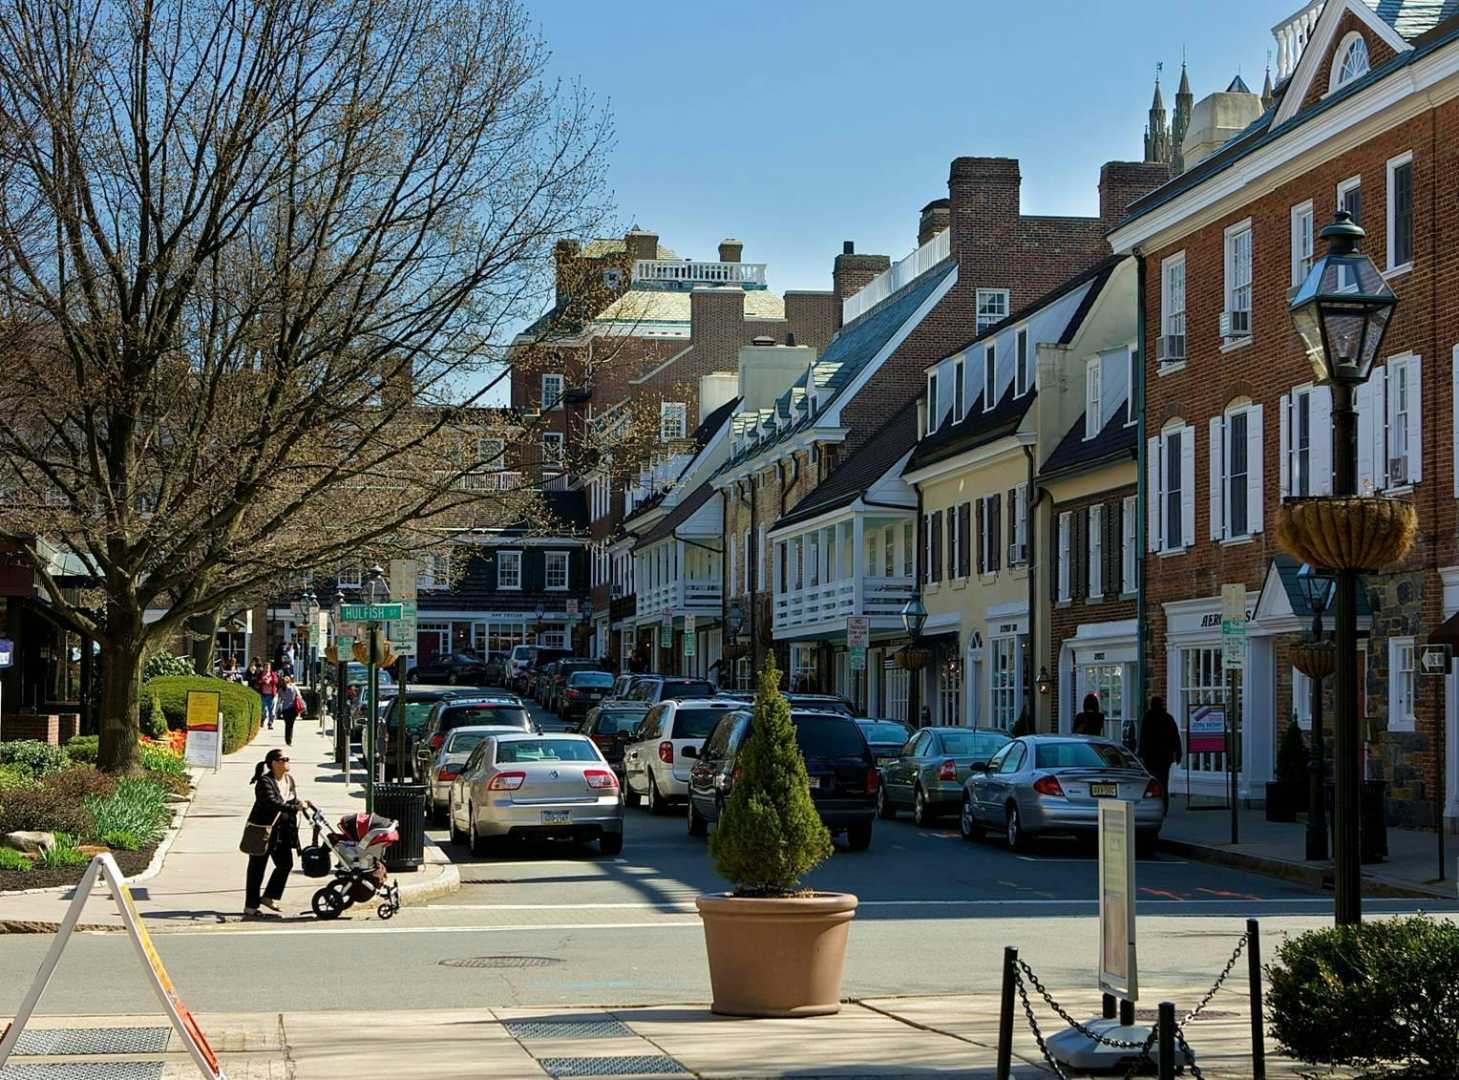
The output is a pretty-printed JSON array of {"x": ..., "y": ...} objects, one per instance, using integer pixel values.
[
  {"x": 114, "y": 1040},
  {"x": 526, "y": 1030},
  {"x": 631, "y": 1065},
  {"x": 499, "y": 961},
  {"x": 85, "y": 1070}
]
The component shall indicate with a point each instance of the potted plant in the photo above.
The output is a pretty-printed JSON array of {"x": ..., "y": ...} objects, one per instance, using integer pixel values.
[
  {"x": 1286, "y": 795},
  {"x": 775, "y": 949}
]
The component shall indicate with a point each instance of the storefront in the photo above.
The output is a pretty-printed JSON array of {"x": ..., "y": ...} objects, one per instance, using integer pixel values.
[{"x": 1100, "y": 660}]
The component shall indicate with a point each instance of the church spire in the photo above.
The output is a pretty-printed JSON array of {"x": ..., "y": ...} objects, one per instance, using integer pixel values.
[
  {"x": 1185, "y": 103},
  {"x": 1157, "y": 131},
  {"x": 1266, "y": 87}
]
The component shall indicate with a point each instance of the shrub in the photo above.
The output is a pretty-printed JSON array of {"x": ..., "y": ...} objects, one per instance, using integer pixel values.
[
  {"x": 14, "y": 776},
  {"x": 10, "y": 859},
  {"x": 83, "y": 749},
  {"x": 121, "y": 840},
  {"x": 137, "y": 806},
  {"x": 57, "y": 803},
  {"x": 154, "y": 720},
  {"x": 39, "y": 758},
  {"x": 242, "y": 707},
  {"x": 1378, "y": 993},
  {"x": 159, "y": 665},
  {"x": 1292, "y": 763},
  {"x": 64, "y": 854},
  {"x": 770, "y": 835},
  {"x": 172, "y": 783}
]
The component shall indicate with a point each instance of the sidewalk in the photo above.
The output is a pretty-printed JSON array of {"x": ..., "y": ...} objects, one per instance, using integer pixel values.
[
  {"x": 1278, "y": 848},
  {"x": 942, "y": 1036},
  {"x": 201, "y": 877}
]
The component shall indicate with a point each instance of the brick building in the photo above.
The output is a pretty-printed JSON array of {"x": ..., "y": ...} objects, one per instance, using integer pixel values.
[{"x": 1364, "y": 118}]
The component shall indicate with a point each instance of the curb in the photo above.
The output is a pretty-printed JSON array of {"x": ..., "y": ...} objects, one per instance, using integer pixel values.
[
  {"x": 1314, "y": 875},
  {"x": 447, "y": 879}
]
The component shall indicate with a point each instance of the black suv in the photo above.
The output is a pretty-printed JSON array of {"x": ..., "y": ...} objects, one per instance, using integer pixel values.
[
  {"x": 656, "y": 688},
  {"x": 838, "y": 762},
  {"x": 450, "y": 669}
]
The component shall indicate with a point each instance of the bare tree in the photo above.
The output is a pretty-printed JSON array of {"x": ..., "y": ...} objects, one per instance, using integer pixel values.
[{"x": 254, "y": 255}]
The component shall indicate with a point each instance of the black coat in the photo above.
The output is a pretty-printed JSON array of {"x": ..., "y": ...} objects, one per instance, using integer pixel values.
[
  {"x": 269, "y": 803},
  {"x": 1159, "y": 740}
]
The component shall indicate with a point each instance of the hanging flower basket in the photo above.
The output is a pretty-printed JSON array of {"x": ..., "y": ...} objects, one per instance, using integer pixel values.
[
  {"x": 734, "y": 650},
  {"x": 1315, "y": 659},
  {"x": 1347, "y": 532},
  {"x": 913, "y": 658}
]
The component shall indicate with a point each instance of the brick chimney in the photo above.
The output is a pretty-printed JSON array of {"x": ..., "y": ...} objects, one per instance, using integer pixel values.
[
  {"x": 716, "y": 327},
  {"x": 851, "y": 271},
  {"x": 730, "y": 250},
  {"x": 1122, "y": 182},
  {"x": 935, "y": 217},
  {"x": 642, "y": 245},
  {"x": 983, "y": 196}
]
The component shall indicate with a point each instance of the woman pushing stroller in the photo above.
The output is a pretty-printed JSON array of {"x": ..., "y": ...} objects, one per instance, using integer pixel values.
[{"x": 272, "y": 832}]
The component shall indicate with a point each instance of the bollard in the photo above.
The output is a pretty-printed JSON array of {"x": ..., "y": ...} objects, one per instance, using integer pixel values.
[
  {"x": 1109, "y": 1006},
  {"x": 1253, "y": 968},
  {"x": 1165, "y": 1042},
  {"x": 1005, "y": 1014},
  {"x": 1127, "y": 1013}
]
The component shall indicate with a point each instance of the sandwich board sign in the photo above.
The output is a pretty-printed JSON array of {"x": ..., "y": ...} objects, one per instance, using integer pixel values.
[
  {"x": 204, "y": 729},
  {"x": 104, "y": 866},
  {"x": 1117, "y": 898}
]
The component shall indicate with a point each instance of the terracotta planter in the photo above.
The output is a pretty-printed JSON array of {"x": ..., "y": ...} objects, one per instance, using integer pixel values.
[
  {"x": 1316, "y": 660},
  {"x": 1348, "y": 533},
  {"x": 776, "y": 956},
  {"x": 913, "y": 659}
]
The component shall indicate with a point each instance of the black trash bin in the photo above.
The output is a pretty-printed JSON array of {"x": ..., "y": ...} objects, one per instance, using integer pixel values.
[
  {"x": 1375, "y": 821},
  {"x": 406, "y": 803}
]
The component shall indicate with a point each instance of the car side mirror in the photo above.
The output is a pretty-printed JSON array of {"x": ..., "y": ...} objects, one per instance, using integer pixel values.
[
  {"x": 979, "y": 766},
  {"x": 690, "y": 751}
]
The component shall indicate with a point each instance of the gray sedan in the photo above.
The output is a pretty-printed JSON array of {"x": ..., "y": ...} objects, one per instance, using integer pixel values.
[
  {"x": 549, "y": 786},
  {"x": 450, "y": 759},
  {"x": 1053, "y": 784},
  {"x": 928, "y": 774}
]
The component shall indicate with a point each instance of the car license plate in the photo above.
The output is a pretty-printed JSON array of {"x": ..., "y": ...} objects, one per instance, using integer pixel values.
[
  {"x": 815, "y": 783},
  {"x": 556, "y": 817},
  {"x": 1104, "y": 791}
]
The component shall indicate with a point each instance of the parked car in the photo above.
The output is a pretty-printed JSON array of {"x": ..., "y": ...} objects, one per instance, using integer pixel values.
[
  {"x": 655, "y": 763},
  {"x": 582, "y": 691},
  {"x": 448, "y": 762},
  {"x": 541, "y": 786},
  {"x": 1042, "y": 784},
  {"x": 496, "y": 668},
  {"x": 609, "y": 725},
  {"x": 623, "y": 685},
  {"x": 539, "y": 679},
  {"x": 656, "y": 688},
  {"x": 419, "y": 700},
  {"x": 841, "y": 770},
  {"x": 821, "y": 703},
  {"x": 527, "y": 660},
  {"x": 449, "y": 714},
  {"x": 557, "y": 683},
  {"x": 927, "y": 774},
  {"x": 885, "y": 737},
  {"x": 450, "y": 669}
]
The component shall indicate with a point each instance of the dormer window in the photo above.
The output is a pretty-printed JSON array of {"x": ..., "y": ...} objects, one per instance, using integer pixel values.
[
  {"x": 1350, "y": 61},
  {"x": 990, "y": 377}
]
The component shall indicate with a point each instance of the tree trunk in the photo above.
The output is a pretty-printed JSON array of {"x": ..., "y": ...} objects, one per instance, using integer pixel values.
[
  {"x": 121, "y": 686},
  {"x": 203, "y": 640}
]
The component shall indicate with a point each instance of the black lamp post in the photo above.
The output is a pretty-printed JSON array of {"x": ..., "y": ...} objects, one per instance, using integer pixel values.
[
  {"x": 375, "y": 591},
  {"x": 1316, "y": 588},
  {"x": 1341, "y": 312},
  {"x": 913, "y": 657},
  {"x": 734, "y": 621}
]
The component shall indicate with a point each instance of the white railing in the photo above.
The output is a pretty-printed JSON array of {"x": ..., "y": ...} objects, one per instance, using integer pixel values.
[
  {"x": 685, "y": 272},
  {"x": 901, "y": 273},
  {"x": 492, "y": 481},
  {"x": 1292, "y": 35},
  {"x": 687, "y": 596},
  {"x": 833, "y": 601}
]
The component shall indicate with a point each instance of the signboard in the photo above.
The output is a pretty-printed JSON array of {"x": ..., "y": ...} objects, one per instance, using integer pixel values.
[
  {"x": 402, "y": 631},
  {"x": 204, "y": 735},
  {"x": 858, "y": 639},
  {"x": 1117, "y": 898},
  {"x": 666, "y": 633},
  {"x": 1233, "y": 627},
  {"x": 370, "y": 612},
  {"x": 7, "y": 652},
  {"x": 1205, "y": 731},
  {"x": 689, "y": 635},
  {"x": 183, "y": 1022},
  {"x": 1434, "y": 660},
  {"x": 572, "y": 607}
]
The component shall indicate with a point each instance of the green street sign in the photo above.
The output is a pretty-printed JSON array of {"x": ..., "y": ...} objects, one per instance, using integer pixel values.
[{"x": 369, "y": 612}]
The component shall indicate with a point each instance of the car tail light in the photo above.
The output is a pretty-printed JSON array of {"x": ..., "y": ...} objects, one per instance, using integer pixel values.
[
  {"x": 872, "y": 779},
  {"x": 507, "y": 781},
  {"x": 666, "y": 752},
  {"x": 436, "y": 740},
  {"x": 948, "y": 770},
  {"x": 600, "y": 780},
  {"x": 1152, "y": 789},
  {"x": 572, "y": 693},
  {"x": 1048, "y": 785},
  {"x": 445, "y": 772}
]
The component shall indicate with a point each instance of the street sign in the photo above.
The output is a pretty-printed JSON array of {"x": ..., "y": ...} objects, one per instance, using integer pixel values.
[
  {"x": 1434, "y": 660},
  {"x": 858, "y": 639},
  {"x": 666, "y": 633},
  {"x": 1117, "y": 972},
  {"x": 403, "y": 630},
  {"x": 572, "y": 606},
  {"x": 370, "y": 612},
  {"x": 1233, "y": 627},
  {"x": 688, "y": 635}
]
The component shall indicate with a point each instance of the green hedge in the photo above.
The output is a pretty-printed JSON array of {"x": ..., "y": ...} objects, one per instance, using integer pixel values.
[{"x": 242, "y": 708}]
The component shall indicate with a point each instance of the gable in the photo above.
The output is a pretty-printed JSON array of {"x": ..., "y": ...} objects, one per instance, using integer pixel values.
[
  {"x": 1379, "y": 53},
  {"x": 1310, "y": 83}
]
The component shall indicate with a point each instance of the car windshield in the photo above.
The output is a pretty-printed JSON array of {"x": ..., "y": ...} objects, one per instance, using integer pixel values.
[
  {"x": 828, "y": 736},
  {"x": 686, "y": 688},
  {"x": 590, "y": 678},
  {"x": 463, "y": 742},
  {"x": 695, "y": 723},
  {"x": 826, "y": 704},
  {"x": 416, "y": 714},
  {"x": 519, "y": 751},
  {"x": 484, "y": 713},
  {"x": 1083, "y": 755},
  {"x": 885, "y": 732},
  {"x": 971, "y": 744},
  {"x": 611, "y": 723}
]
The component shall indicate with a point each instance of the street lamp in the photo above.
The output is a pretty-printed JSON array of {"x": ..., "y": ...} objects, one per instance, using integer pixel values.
[
  {"x": 1341, "y": 312},
  {"x": 912, "y": 656},
  {"x": 1315, "y": 662},
  {"x": 375, "y": 591},
  {"x": 1044, "y": 684}
]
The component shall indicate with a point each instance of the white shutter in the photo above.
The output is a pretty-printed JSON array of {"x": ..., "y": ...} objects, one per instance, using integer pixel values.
[
  {"x": 1365, "y": 433},
  {"x": 1153, "y": 495},
  {"x": 1254, "y": 488},
  {"x": 1319, "y": 420},
  {"x": 1127, "y": 541},
  {"x": 1064, "y": 523},
  {"x": 1284, "y": 470},
  {"x": 1096, "y": 552},
  {"x": 1188, "y": 486},
  {"x": 1415, "y": 420},
  {"x": 1379, "y": 430},
  {"x": 1217, "y": 473}
]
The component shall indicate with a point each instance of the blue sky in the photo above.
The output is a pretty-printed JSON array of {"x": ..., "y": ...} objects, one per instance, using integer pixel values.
[{"x": 797, "y": 124}]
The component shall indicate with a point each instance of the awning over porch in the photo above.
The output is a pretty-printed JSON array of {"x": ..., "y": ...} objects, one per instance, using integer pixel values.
[{"x": 1281, "y": 607}]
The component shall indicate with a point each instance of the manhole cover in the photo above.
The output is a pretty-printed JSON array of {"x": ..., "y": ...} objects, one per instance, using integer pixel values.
[
  {"x": 499, "y": 961},
  {"x": 631, "y": 1065},
  {"x": 107, "y": 1040},
  {"x": 84, "y": 1070},
  {"x": 1151, "y": 1015},
  {"x": 527, "y": 1030}
]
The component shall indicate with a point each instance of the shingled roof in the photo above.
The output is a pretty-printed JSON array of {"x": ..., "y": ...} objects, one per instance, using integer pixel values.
[{"x": 852, "y": 477}]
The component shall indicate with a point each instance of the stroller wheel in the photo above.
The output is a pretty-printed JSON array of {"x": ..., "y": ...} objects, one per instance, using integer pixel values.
[
  {"x": 386, "y": 910},
  {"x": 327, "y": 903}
]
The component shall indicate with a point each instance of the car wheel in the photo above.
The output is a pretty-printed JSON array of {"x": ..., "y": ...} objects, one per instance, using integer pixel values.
[
  {"x": 885, "y": 808},
  {"x": 967, "y": 823},
  {"x": 611, "y": 843},
  {"x": 858, "y": 837},
  {"x": 457, "y": 836},
  {"x": 630, "y": 797},
  {"x": 1013, "y": 830},
  {"x": 478, "y": 843},
  {"x": 656, "y": 804},
  {"x": 697, "y": 825},
  {"x": 921, "y": 812}
]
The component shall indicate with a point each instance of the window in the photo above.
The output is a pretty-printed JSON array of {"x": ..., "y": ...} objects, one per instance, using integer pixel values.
[
  {"x": 1066, "y": 528},
  {"x": 1236, "y": 473},
  {"x": 1390, "y": 426},
  {"x": 932, "y": 416},
  {"x": 990, "y": 377},
  {"x": 1350, "y": 198},
  {"x": 1022, "y": 374},
  {"x": 992, "y": 308},
  {"x": 1107, "y": 683},
  {"x": 1236, "y": 319},
  {"x": 349, "y": 576},
  {"x": 1128, "y": 581},
  {"x": 435, "y": 571},
  {"x": 1401, "y": 684},
  {"x": 1091, "y": 398},
  {"x": 1301, "y": 241},
  {"x": 1401, "y": 444},
  {"x": 1170, "y": 478},
  {"x": 1203, "y": 682},
  {"x": 950, "y": 692},
  {"x": 612, "y": 278},
  {"x": 552, "y": 449},
  {"x": 509, "y": 570},
  {"x": 909, "y": 549},
  {"x": 990, "y": 533},
  {"x": 555, "y": 573},
  {"x": 959, "y": 407},
  {"x": 1095, "y": 574},
  {"x": 551, "y": 391},
  {"x": 672, "y": 420},
  {"x": 1349, "y": 60},
  {"x": 1018, "y": 525},
  {"x": 1400, "y": 212},
  {"x": 1003, "y": 684},
  {"x": 1170, "y": 349},
  {"x": 489, "y": 452}
]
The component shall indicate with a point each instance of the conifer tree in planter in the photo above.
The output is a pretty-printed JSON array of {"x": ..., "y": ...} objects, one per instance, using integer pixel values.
[
  {"x": 775, "y": 949},
  {"x": 1288, "y": 793}
]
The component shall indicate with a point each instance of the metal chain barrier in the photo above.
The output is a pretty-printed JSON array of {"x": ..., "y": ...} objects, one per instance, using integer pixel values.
[
  {"x": 1032, "y": 1020},
  {"x": 1221, "y": 978},
  {"x": 1062, "y": 1014},
  {"x": 1190, "y": 1056}
]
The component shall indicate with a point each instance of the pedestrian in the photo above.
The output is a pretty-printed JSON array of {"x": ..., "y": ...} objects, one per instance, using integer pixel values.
[
  {"x": 290, "y": 704},
  {"x": 275, "y": 810},
  {"x": 1160, "y": 745},
  {"x": 1089, "y": 721},
  {"x": 268, "y": 687},
  {"x": 254, "y": 673}
]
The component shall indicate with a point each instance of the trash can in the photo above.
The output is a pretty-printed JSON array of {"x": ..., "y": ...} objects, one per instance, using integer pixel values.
[
  {"x": 406, "y": 803},
  {"x": 1375, "y": 821}
]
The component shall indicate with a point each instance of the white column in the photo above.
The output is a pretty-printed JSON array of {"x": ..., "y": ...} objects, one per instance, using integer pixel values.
[
  {"x": 859, "y": 569},
  {"x": 678, "y": 573},
  {"x": 1258, "y": 727}
]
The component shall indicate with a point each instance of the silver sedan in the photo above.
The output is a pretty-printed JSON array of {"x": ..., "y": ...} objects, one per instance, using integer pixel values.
[
  {"x": 1053, "y": 784},
  {"x": 552, "y": 786}
]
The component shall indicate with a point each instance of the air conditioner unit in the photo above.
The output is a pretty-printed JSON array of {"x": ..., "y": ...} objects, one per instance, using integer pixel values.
[
  {"x": 1235, "y": 324},
  {"x": 1170, "y": 348}
]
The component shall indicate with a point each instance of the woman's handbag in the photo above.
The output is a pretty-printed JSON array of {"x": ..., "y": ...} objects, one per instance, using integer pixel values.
[
  {"x": 314, "y": 860},
  {"x": 256, "y": 837}
]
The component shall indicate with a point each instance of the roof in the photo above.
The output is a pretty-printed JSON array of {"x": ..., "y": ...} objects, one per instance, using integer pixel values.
[
  {"x": 852, "y": 477},
  {"x": 1413, "y": 17},
  {"x": 977, "y": 428},
  {"x": 714, "y": 421},
  {"x": 596, "y": 249},
  {"x": 1118, "y": 439},
  {"x": 1288, "y": 569},
  {"x": 566, "y": 513},
  {"x": 673, "y": 305},
  {"x": 678, "y": 515}
]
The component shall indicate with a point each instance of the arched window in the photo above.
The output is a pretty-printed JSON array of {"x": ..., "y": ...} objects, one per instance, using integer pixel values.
[{"x": 1350, "y": 61}]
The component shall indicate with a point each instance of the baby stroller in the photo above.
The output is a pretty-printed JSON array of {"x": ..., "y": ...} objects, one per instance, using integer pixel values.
[{"x": 359, "y": 868}]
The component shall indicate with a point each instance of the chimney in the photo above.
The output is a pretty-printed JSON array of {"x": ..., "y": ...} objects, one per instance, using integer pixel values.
[
  {"x": 1123, "y": 182},
  {"x": 564, "y": 257},
  {"x": 716, "y": 389},
  {"x": 730, "y": 250},
  {"x": 983, "y": 196},
  {"x": 641, "y": 245},
  {"x": 935, "y": 218},
  {"x": 851, "y": 272}
]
